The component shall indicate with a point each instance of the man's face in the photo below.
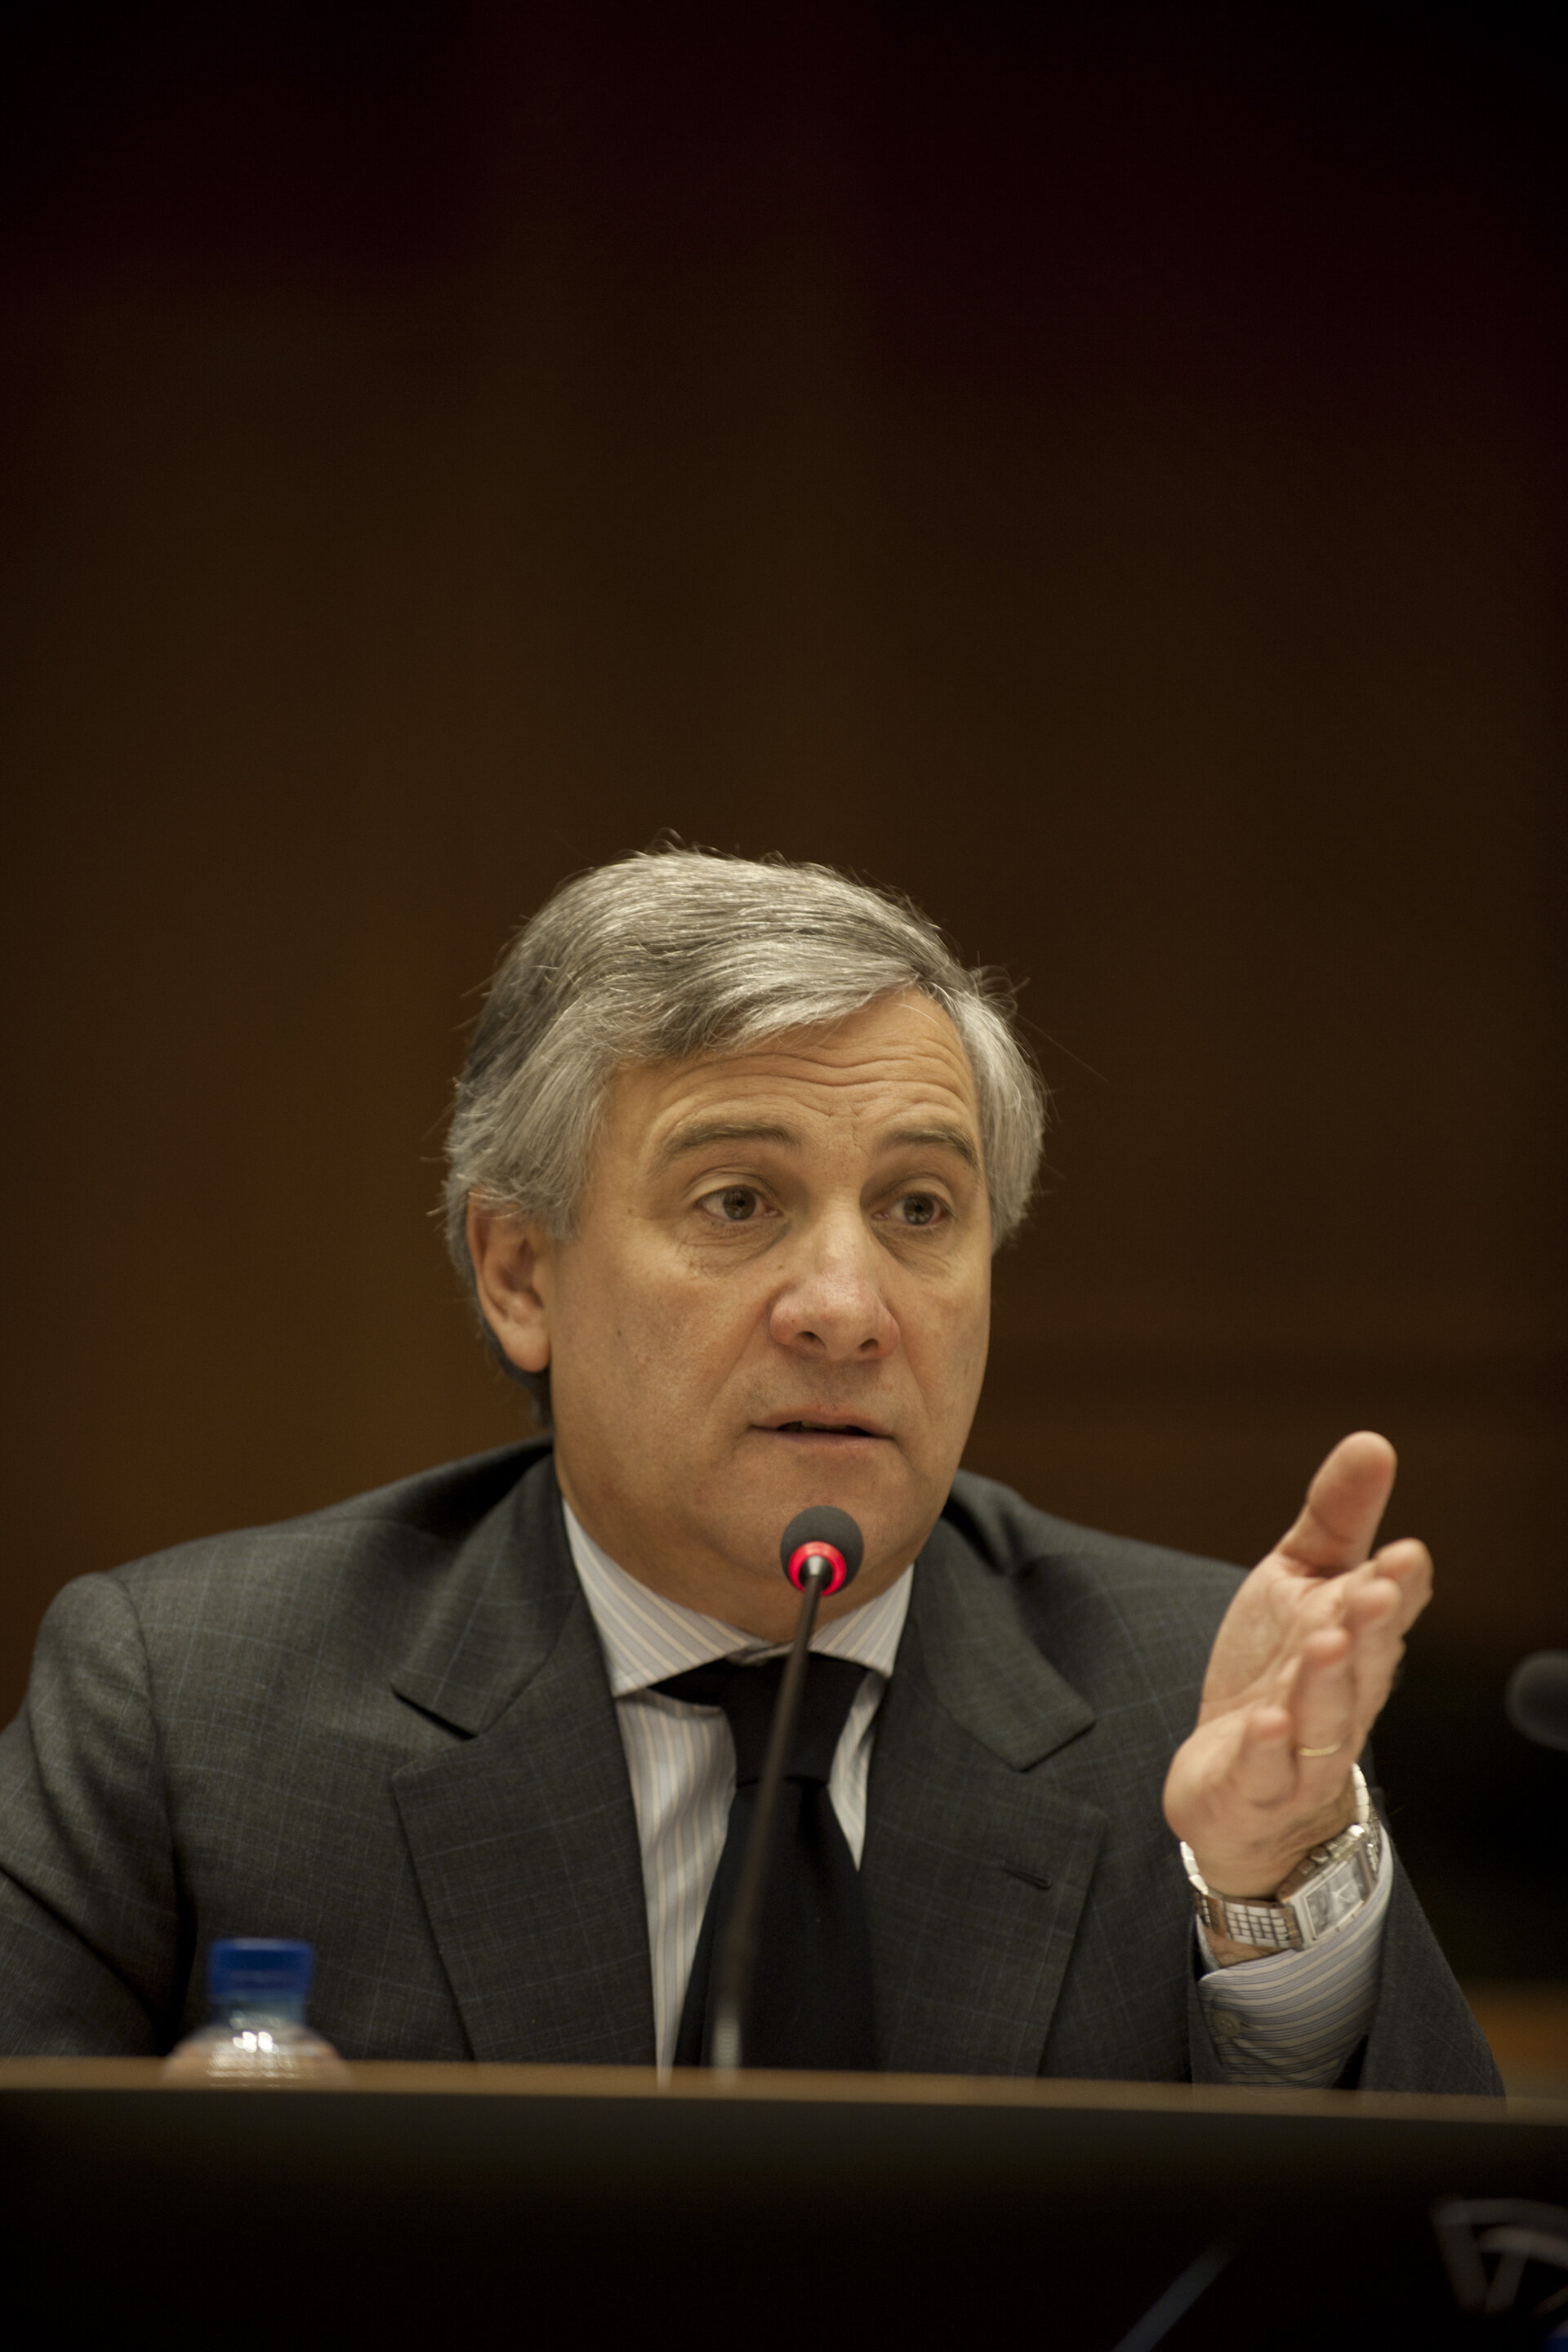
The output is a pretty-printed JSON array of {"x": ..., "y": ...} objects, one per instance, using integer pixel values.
[{"x": 778, "y": 1293}]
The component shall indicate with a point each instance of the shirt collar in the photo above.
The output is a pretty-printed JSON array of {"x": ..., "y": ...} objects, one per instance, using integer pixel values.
[{"x": 646, "y": 1637}]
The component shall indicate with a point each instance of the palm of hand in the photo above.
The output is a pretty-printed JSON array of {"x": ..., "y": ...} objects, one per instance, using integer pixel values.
[
  {"x": 1299, "y": 1670},
  {"x": 1261, "y": 1635}
]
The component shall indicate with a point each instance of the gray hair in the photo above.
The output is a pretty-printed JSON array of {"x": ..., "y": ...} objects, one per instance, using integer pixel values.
[{"x": 676, "y": 952}]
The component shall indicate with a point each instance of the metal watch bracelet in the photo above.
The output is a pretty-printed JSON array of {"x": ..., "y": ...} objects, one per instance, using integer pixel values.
[{"x": 1345, "y": 1872}]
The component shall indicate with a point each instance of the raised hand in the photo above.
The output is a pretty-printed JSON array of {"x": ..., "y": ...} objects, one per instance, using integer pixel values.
[{"x": 1299, "y": 1672}]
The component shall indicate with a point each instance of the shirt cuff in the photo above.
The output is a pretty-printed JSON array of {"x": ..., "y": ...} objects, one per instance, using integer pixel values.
[{"x": 1293, "y": 2018}]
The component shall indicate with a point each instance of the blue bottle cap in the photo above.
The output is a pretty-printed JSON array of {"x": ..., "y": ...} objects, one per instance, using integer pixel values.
[{"x": 255, "y": 1969}]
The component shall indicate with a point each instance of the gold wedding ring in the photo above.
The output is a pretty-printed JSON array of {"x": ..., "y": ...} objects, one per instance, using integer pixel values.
[{"x": 1322, "y": 1751}]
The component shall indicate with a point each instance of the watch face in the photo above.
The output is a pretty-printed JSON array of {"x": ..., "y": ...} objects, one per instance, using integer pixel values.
[{"x": 1330, "y": 1900}]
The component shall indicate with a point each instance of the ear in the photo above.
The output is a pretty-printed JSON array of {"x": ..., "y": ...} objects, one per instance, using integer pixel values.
[{"x": 512, "y": 1274}]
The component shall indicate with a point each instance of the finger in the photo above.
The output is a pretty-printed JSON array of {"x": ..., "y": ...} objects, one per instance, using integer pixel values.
[
  {"x": 1371, "y": 1606},
  {"x": 1378, "y": 1619},
  {"x": 1345, "y": 1503},
  {"x": 1378, "y": 1646},
  {"x": 1264, "y": 1768},
  {"x": 1322, "y": 1706},
  {"x": 1408, "y": 1565},
  {"x": 1388, "y": 1593}
]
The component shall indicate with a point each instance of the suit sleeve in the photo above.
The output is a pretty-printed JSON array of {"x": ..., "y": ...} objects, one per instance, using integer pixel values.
[
  {"x": 1423, "y": 2035},
  {"x": 90, "y": 1963}
]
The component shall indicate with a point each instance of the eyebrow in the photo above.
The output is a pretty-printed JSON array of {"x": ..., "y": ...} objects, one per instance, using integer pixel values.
[
  {"x": 940, "y": 1137},
  {"x": 699, "y": 1135}
]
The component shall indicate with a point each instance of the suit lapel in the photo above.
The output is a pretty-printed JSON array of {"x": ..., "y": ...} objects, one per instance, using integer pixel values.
[
  {"x": 523, "y": 1839},
  {"x": 976, "y": 1865}
]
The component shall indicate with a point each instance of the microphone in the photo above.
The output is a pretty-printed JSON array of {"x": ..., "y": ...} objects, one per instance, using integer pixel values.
[
  {"x": 1536, "y": 1699},
  {"x": 820, "y": 1551}
]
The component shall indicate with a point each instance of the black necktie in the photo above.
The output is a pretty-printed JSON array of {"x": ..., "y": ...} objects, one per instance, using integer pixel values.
[{"x": 811, "y": 1996}]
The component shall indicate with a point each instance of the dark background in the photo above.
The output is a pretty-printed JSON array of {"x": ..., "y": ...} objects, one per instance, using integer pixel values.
[{"x": 1097, "y": 469}]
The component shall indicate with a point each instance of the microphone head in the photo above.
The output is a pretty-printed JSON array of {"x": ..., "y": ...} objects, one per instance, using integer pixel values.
[
  {"x": 822, "y": 1533},
  {"x": 1537, "y": 1697}
]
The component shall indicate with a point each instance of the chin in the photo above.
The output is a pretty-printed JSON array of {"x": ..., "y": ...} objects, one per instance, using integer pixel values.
[{"x": 879, "y": 1493}]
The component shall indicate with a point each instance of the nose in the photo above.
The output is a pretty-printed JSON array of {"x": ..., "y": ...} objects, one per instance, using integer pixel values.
[{"x": 831, "y": 1305}]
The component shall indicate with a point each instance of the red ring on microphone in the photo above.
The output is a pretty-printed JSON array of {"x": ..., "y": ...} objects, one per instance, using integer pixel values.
[{"x": 817, "y": 1549}]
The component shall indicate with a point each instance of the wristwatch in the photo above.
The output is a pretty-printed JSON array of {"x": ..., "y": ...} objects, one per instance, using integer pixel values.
[{"x": 1344, "y": 1874}]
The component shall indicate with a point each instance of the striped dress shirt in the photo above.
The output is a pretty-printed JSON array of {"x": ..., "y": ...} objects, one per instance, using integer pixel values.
[{"x": 1293, "y": 2018}]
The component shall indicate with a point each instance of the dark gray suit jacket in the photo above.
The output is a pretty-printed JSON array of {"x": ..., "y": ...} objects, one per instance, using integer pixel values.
[{"x": 387, "y": 1727}]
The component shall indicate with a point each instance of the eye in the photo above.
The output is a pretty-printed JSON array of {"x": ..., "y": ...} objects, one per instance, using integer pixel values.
[
  {"x": 918, "y": 1209},
  {"x": 737, "y": 1204}
]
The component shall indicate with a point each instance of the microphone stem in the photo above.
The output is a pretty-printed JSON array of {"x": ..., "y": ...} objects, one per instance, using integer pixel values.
[{"x": 736, "y": 1957}]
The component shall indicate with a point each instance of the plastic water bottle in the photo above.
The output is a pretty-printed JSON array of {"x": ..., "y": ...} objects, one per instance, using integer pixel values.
[{"x": 257, "y": 2038}]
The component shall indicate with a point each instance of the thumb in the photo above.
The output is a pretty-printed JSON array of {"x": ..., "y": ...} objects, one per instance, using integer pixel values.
[{"x": 1338, "y": 1522}]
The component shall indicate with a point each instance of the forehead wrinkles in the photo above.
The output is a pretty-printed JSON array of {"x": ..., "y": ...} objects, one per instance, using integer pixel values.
[{"x": 857, "y": 1078}]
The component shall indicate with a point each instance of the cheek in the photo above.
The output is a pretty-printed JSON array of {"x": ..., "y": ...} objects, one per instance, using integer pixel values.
[
  {"x": 706, "y": 1320},
  {"x": 652, "y": 1327},
  {"x": 946, "y": 1333}
]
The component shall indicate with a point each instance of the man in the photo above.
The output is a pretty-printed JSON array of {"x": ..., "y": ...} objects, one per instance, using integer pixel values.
[{"x": 731, "y": 1154}]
